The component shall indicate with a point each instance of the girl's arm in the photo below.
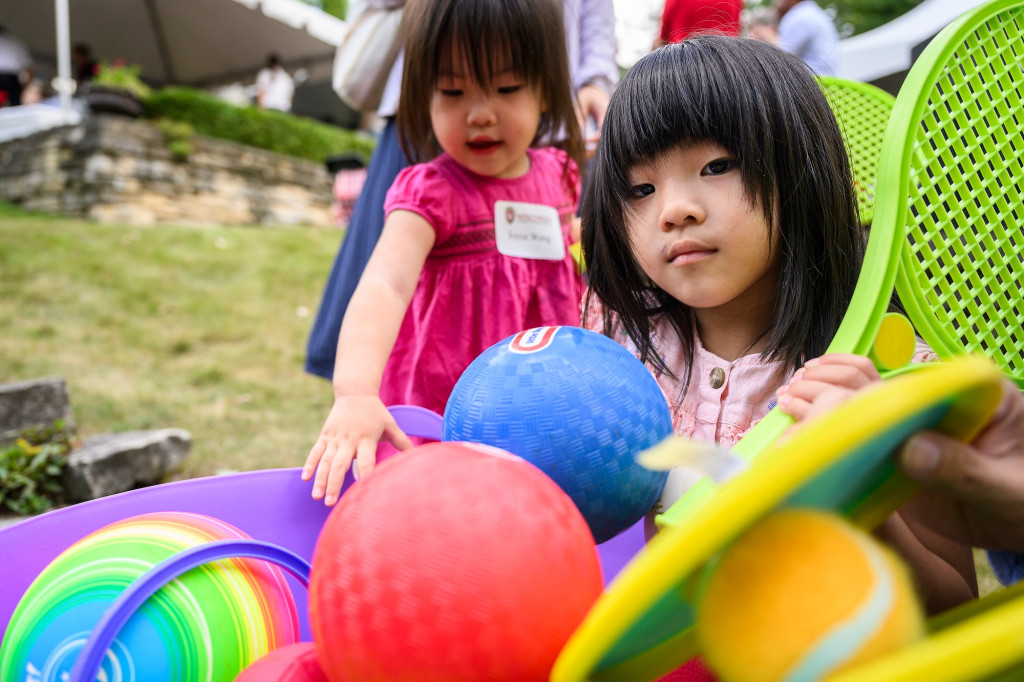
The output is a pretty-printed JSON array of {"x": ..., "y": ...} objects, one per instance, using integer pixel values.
[{"x": 358, "y": 420}]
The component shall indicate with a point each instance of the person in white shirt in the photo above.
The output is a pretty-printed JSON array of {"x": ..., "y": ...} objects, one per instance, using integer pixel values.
[
  {"x": 15, "y": 67},
  {"x": 274, "y": 87},
  {"x": 808, "y": 32}
]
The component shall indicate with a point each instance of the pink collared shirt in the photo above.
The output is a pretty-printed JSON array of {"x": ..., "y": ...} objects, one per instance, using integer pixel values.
[
  {"x": 724, "y": 399},
  {"x": 719, "y": 408}
]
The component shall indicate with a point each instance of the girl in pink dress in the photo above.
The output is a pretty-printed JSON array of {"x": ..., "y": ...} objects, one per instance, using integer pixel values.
[{"x": 475, "y": 246}]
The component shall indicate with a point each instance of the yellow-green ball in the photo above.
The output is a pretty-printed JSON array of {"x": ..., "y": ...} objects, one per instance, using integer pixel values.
[{"x": 801, "y": 595}]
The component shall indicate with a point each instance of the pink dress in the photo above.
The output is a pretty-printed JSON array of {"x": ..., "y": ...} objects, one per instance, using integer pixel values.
[{"x": 469, "y": 295}]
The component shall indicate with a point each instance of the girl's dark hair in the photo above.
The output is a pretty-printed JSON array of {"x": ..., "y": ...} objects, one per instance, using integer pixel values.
[
  {"x": 526, "y": 35},
  {"x": 765, "y": 107}
]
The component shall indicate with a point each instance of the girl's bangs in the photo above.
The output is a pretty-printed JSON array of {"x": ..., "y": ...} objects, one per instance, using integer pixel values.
[
  {"x": 671, "y": 99},
  {"x": 484, "y": 45}
]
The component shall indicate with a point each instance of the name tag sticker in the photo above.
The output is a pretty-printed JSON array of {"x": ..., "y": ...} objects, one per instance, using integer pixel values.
[{"x": 526, "y": 230}]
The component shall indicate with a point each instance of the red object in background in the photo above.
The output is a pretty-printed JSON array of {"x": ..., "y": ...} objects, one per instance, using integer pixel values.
[
  {"x": 691, "y": 671},
  {"x": 451, "y": 561},
  {"x": 3, "y": 98},
  {"x": 291, "y": 663},
  {"x": 348, "y": 183},
  {"x": 683, "y": 18}
]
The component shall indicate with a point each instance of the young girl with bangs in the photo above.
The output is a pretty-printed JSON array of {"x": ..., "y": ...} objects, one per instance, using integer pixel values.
[
  {"x": 475, "y": 244},
  {"x": 722, "y": 246}
]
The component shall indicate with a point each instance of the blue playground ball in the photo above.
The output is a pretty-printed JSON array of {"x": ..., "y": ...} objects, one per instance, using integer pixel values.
[{"x": 577, "y": 405}]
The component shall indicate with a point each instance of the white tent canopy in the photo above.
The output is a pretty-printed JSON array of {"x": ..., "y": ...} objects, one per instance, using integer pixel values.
[
  {"x": 199, "y": 43},
  {"x": 890, "y": 48},
  {"x": 188, "y": 42}
]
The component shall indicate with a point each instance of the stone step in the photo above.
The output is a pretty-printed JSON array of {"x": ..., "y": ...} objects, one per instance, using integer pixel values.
[
  {"x": 115, "y": 462},
  {"x": 104, "y": 464},
  {"x": 33, "y": 404}
]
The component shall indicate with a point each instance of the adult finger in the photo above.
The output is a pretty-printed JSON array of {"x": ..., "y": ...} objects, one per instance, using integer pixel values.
[{"x": 950, "y": 466}]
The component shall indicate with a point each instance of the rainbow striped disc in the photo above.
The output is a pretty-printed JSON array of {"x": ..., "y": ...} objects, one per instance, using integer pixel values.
[{"x": 204, "y": 626}]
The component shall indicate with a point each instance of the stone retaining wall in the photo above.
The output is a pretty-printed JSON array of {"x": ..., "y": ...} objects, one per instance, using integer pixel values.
[{"x": 117, "y": 169}]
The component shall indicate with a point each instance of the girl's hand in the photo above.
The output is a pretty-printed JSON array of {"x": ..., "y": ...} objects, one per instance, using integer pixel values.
[
  {"x": 822, "y": 383},
  {"x": 354, "y": 427}
]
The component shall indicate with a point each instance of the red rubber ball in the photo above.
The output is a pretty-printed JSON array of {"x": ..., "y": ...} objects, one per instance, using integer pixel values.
[{"x": 451, "y": 561}]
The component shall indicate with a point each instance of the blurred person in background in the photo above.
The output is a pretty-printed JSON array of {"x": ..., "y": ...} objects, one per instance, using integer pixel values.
[
  {"x": 15, "y": 68},
  {"x": 807, "y": 31},
  {"x": 274, "y": 87},
  {"x": 763, "y": 25},
  {"x": 85, "y": 66}
]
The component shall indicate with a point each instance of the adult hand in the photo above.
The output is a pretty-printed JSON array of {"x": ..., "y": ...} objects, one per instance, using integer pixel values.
[
  {"x": 593, "y": 103},
  {"x": 353, "y": 428},
  {"x": 974, "y": 492}
]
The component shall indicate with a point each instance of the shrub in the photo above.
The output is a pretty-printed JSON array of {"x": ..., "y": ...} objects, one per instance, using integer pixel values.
[
  {"x": 31, "y": 470},
  {"x": 121, "y": 76},
  {"x": 267, "y": 129},
  {"x": 178, "y": 136}
]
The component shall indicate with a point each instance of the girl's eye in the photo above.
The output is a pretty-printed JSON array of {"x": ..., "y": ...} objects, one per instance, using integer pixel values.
[
  {"x": 450, "y": 92},
  {"x": 720, "y": 166},
  {"x": 641, "y": 190},
  {"x": 509, "y": 89}
]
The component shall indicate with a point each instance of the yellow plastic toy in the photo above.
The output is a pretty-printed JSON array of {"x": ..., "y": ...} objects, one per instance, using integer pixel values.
[{"x": 643, "y": 626}]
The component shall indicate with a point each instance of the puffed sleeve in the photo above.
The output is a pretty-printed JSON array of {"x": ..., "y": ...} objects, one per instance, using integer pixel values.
[{"x": 423, "y": 190}]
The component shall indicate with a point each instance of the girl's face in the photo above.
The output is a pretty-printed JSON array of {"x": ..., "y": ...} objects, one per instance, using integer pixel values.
[
  {"x": 486, "y": 130},
  {"x": 698, "y": 236}
]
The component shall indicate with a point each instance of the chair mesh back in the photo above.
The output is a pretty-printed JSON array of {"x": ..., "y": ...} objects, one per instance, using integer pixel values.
[
  {"x": 963, "y": 261},
  {"x": 862, "y": 111}
]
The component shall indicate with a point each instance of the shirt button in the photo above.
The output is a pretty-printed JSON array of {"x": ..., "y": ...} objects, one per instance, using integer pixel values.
[{"x": 717, "y": 377}]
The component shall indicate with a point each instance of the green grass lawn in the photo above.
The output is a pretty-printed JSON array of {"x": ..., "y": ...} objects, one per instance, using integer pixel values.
[{"x": 198, "y": 328}]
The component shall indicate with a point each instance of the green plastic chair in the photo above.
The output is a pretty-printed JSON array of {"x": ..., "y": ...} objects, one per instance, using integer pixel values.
[{"x": 862, "y": 111}]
